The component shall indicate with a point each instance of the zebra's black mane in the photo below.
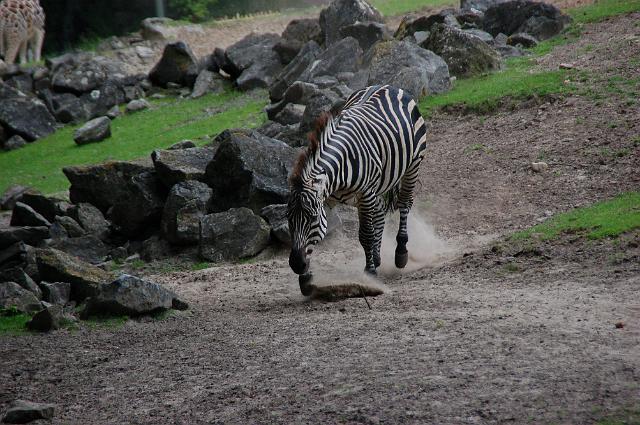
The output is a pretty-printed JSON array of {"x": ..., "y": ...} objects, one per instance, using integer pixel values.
[{"x": 314, "y": 137}]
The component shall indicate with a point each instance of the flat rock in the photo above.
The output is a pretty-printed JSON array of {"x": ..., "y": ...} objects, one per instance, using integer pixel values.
[
  {"x": 137, "y": 105},
  {"x": 22, "y": 412},
  {"x": 132, "y": 296},
  {"x": 93, "y": 131},
  {"x": 57, "y": 266},
  {"x": 256, "y": 62},
  {"x": 25, "y": 116},
  {"x": 48, "y": 206},
  {"x": 26, "y": 234},
  {"x": 88, "y": 248},
  {"x": 14, "y": 142},
  {"x": 178, "y": 165}
]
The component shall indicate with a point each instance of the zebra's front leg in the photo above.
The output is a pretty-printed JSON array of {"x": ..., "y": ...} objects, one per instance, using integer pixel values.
[
  {"x": 366, "y": 216},
  {"x": 378, "y": 225},
  {"x": 405, "y": 201}
]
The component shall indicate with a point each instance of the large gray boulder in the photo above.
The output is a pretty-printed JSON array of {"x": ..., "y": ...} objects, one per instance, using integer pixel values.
[
  {"x": 255, "y": 60},
  {"x": 249, "y": 170},
  {"x": 410, "y": 24},
  {"x": 24, "y": 215},
  {"x": 130, "y": 192},
  {"x": 179, "y": 165},
  {"x": 131, "y": 296},
  {"x": 408, "y": 66},
  {"x": 367, "y": 33},
  {"x": 465, "y": 54},
  {"x": 25, "y": 116},
  {"x": 82, "y": 74},
  {"x": 93, "y": 131},
  {"x": 69, "y": 108},
  {"x": 298, "y": 33},
  {"x": 57, "y": 266},
  {"x": 232, "y": 235},
  {"x": 56, "y": 293},
  {"x": 343, "y": 56},
  {"x": 100, "y": 101},
  {"x": 294, "y": 70},
  {"x": 341, "y": 13},
  {"x": 540, "y": 20},
  {"x": 178, "y": 65},
  {"x": 13, "y": 295},
  {"x": 22, "y": 412},
  {"x": 186, "y": 204},
  {"x": 322, "y": 101}
]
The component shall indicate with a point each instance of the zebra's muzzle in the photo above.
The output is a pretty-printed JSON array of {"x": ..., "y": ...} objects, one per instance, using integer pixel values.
[{"x": 298, "y": 261}]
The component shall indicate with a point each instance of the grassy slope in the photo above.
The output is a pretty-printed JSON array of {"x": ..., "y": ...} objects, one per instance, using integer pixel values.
[
  {"x": 517, "y": 80},
  {"x": 40, "y": 164},
  {"x": 605, "y": 219}
]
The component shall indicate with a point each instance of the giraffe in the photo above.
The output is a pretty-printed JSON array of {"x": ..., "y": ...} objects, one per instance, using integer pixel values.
[{"x": 21, "y": 27}]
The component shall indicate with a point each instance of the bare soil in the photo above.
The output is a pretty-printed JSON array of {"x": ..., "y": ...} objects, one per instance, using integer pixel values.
[{"x": 477, "y": 331}]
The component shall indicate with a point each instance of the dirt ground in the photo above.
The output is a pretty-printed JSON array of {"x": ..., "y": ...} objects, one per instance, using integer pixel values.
[{"x": 475, "y": 332}]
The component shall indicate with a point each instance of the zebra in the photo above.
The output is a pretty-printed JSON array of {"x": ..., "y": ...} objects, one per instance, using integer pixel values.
[{"x": 367, "y": 154}]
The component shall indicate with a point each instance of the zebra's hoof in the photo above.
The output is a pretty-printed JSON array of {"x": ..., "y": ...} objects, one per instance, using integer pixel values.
[
  {"x": 402, "y": 259},
  {"x": 371, "y": 272},
  {"x": 305, "y": 284}
]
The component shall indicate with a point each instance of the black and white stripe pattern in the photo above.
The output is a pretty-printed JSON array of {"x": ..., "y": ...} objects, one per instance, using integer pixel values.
[{"x": 369, "y": 155}]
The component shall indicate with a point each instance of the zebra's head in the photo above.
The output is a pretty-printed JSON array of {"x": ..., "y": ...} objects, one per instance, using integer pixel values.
[{"x": 307, "y": 219}]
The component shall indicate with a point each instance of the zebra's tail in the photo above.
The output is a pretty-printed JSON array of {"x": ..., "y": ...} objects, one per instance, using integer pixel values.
[{"x": 391, "y": 199}]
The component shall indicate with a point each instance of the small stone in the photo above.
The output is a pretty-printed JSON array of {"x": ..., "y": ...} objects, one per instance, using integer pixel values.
[
  {"x": 539, "y": 167},
  {"x": 114, "y": 112},
  {"x": 22, "y": 412},
  {"x": 95, "y": 130},
  {"x": 137, "y": 105},
  {"x": 47, "y": 320},
  {"x": 184, "y": 144},
  {"x": 15, "y": 142},
  {"x": 567, "y": 66},
  {"x": 619, "y": 325}
]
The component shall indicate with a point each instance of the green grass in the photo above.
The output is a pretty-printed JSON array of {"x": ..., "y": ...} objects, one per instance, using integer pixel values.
[
  {"x": 602, "y": 220},
  {"x": 40, "y": 164},
  {"x": 96, "y": 322},
  {"x": 14, "y": 324},
  {"x": 399, "y": 7},
  {"x": 602, "y": 9},
  {"x": 484, "y": 93}
]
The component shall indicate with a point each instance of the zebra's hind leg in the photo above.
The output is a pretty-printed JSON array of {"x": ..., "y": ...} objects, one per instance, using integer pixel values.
[
  {"x": 405, "y": 202},
  {"x": 366, "y": 215}
]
